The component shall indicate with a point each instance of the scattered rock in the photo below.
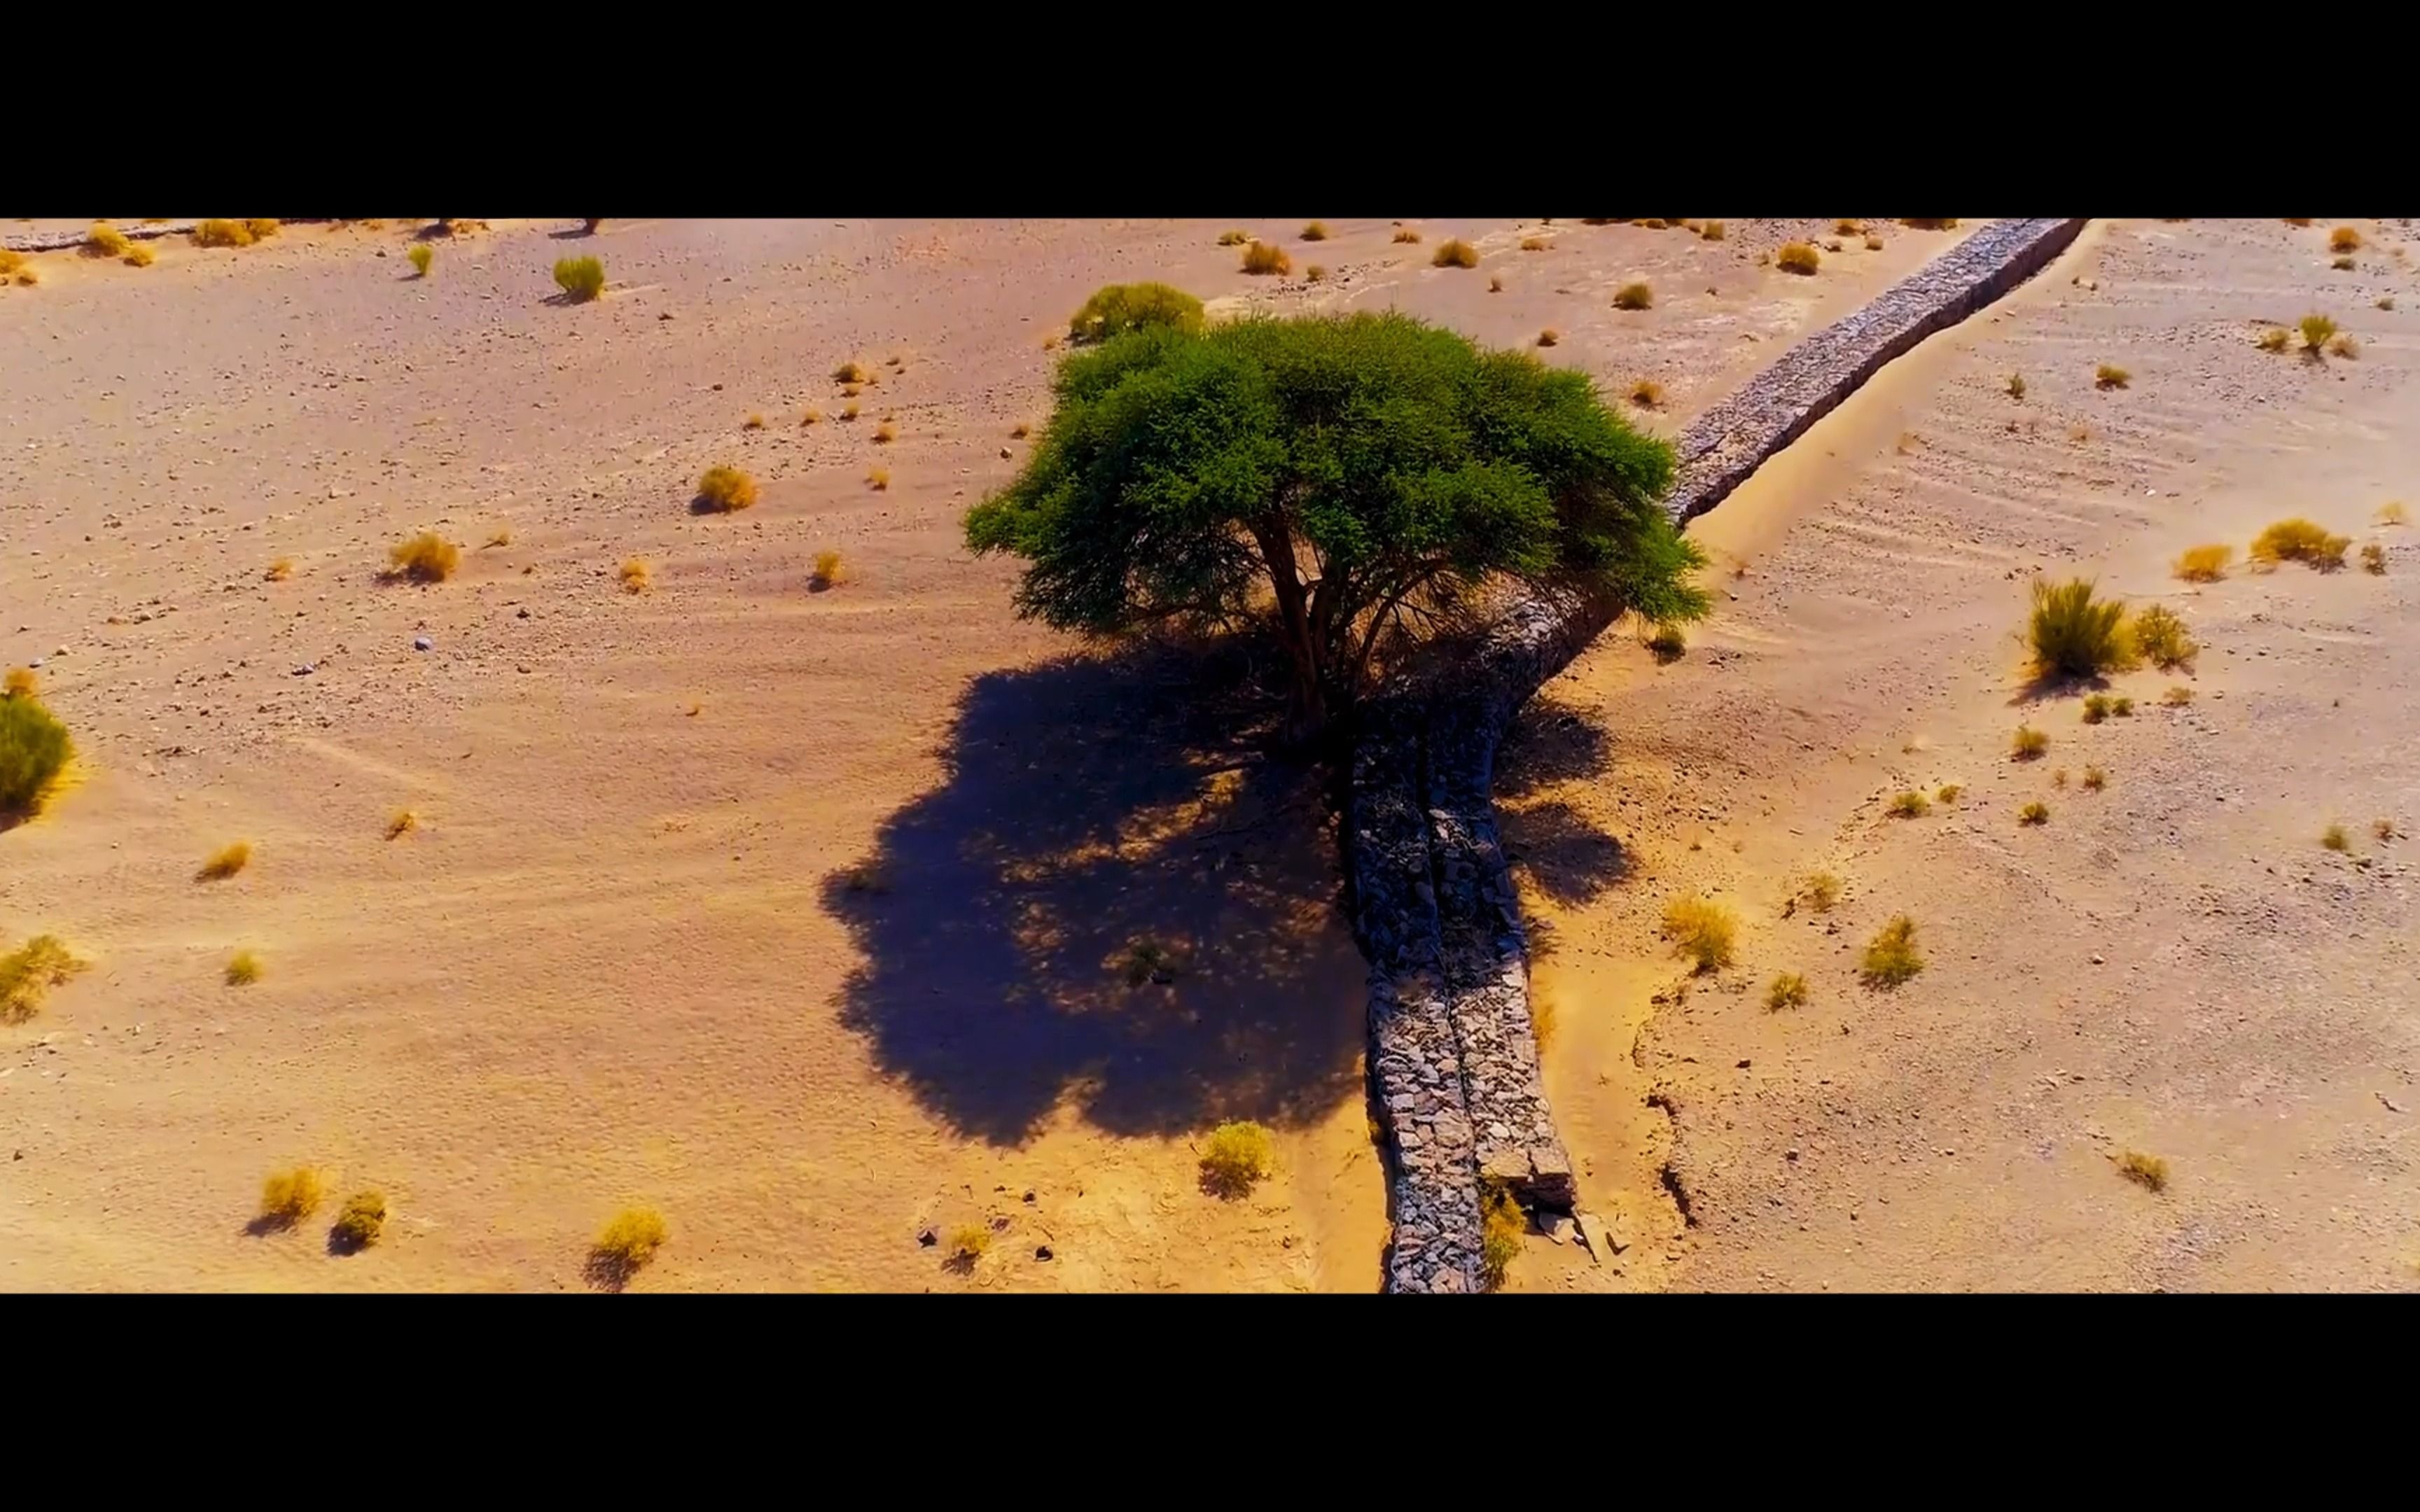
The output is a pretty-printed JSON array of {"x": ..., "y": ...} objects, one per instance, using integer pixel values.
[
  {"x": 1041, "y": 1252},
  {"x": 422, "y": 642},
  {"x": 305, "y": 670},
  {"x": 926, "y": 1238}
]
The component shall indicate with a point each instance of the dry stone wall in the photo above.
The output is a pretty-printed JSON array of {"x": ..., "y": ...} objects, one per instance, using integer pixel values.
[{"x": 1453, "y": 1054}]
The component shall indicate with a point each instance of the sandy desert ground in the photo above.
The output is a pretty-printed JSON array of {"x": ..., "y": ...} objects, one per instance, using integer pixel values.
[{"x": 790, "y": 912}]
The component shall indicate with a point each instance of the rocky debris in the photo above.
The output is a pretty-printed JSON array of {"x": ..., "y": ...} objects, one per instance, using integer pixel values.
[
  {"x": 1453, "y": 1051},
  {"x": 422, "y": 642}
]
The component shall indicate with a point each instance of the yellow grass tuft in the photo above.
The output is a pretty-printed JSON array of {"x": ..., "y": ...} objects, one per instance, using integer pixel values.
[
  {"x": 261, "y": 229},
  {"x": 1454, "y": 252},
  {"x": 1234, "y": 239},
  {"x": 226, "y": 862},
  {"x": 421, "y": 256},
  {"x": 636, "y": 576},
  {"x": 1667, "y": 643},
  {"x": 1892, "y": 957},
  {"x": 2073, "y": 634},
  {"x": 1789, "y": 990},
  {"x": 2300, "y": 540},
  {"x": 243, "y": 969},
  {"x": 105, "y": 241},
  {"x": 1533, "y": 243},
  {"x": 2108, "y": 377},
  {"x": 222, "y": 234},
  {"x": 1261, "y": 258},
  {"x": 829, "y": 571},
  {"x": 850, "y": 373},
  {"x": 722, "y": 489},
  {"x": 1549, "y": 336},
  {"x": 1948, "y": 791},
  {"x": 2383, "y": 828},
  {"x": 1910, "y": 805},
  {"x": 2096, "y": 708},
  {"x": 752, "y": 422},
  {"x": 28, "y": 276},
  {"x": 2033, "y": 813},
  {"x": 2373, "y": 560},
  {"x": 2342, "y": 345},
  {"x": 1711, "y": 231},
  {"x": 1634, "y": 297},
  {"x": 2335, "y": 838},
  {"x": 359, "y": 1222},
  {"x": 2204, "y": 563},
  {"x": 2344, "y": 239},
  {"x": 884, "y": 435},
  {"x": 1797, "y": 257},
  {"x": 967, "y": 1243},
  {"x": 2144, "y": 1170},
  {"x": 849, "y": 411},
  {"x": 2027, "y": 744},
  {"x": 1647, "y": 394},
  {"x": 2160, "y": 636},
  {"x": 1501, "y": 1225},
  {"x": 10, "y": 261},
  {"x": 1315, "y": 231},
  {"x": 21, "y": 682},
  {"x": 1823, "y": 892},
  {"x": 580, "y": 279},
  {"x": 1848, "y": 228},
  {"x": 1701, "y": 930},
  {"x": 2276, "y": 339},
  {"x": 2015, "y": 385},
  {"x": 2315, "y": 330},
  {"x": 1406, "y": 237},
  {"x": 2095, "y": 779},
  {"x": 811, "y": 416},
  {"x": 287, "y": 1198},
  {"x": 2392, "y": 513},
  {"x": 427, "y": 558},
  {"x": 401, "y": 823},
  {"x": 1314, "y": 274},
  {"x": 877, "y": 479},
  {"x": 29, "y": 972},
  {"x": 1237, "y": 1157},
  {"x": 627, "y": 1246},
  {"x": 2178, "y": 696}
]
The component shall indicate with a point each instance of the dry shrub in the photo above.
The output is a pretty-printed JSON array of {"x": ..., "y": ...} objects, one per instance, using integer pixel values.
[
  {"x": 2276, "y": 339},
  {"x": 2073, "y": 634},
  {"x": 2373, "y": 560},
  {"x": 2107, "y": 377},
  {"x": 636, "y": 576},
  {"x": 1113, "y": 309},
  {"x": 34, "y": 749},
  {"x": 261, "y": 228},
  {"x": 1315, "y": 231},
  {"x": 1647, "y": 394},
  {"x": 421, "y": 255},
  {"x": 2335, "y": 837},
  {"x": 884, "y": 435},
  {"x": 1702, "y": 929},
  {"x": 21, "y": 682},
  {"x": 223, "y": 233},
  {"x": 1454, "y": 252},
  {"x": 1789, "y": 990},
  {"x": 427, "y": 558},
  {"x": 581, "y": 279},
  {"x": 1892, "y": 957},
  {"x": 27, "y": 277},
  {"x": 1495, "y": 284},
  {"x": 1874, "y": 243},
  {"x": 1236, "y": 1157},
  {"x": 2383, "y": 828},
  {"x": 2392, "y": 513},
  {"x": 1797, "y": 257},
  {"x": 105, "y": 241},
  {"x": 2178, "y": 696},
  {"x": 1501, "y": 1225},
  {"x": 2033, "y": 813},
  {"x": 2015, "y": 385},
  {"x": 2290, "y": 221},
  {"x": 2122, "y": 708},
  {"x": 2343, "y": 265},
  {"x": 849, "y": 411},
  {"x": 1910, "y": 805},
  {"x": 2160, "y": 636},
  {"x": 1020, "y": 431},
  {"x": 226, "y": 862},
  {"x": 1711, "y": 231},
  {"x": 2344, "y": 239},
  {"x": 1848, "y": 228},
  {"x": 2316, "y": 331},
  {"x": 359, "y": 1222},
  {"x": 722, "y": 489},
  {"x": 1823, "y": 892},
  {"x": 877, "y": 479},
  {"x": 243, "y": 969},
  {"x": 29, "y": 972},
  {"x": 628, "y": 1244},
  {"x": 2027, "y": 744},
  {"x": 1549, "y": 336},
  {"x": 752, "y": 422},
  {"x": 1667, "y": 643},
  {"x": 967, "y": 1243},
  {"x": 2095, "y": 779},
  {"x": 2148, "y": 1171},
  {"x": 1931, "y": 226},
  {"x": 2204, "y": 563},
  {"x": 1260, "y": 258},
  {"x": 10, "y": 260},
  {"x": 1948, "y": 791},
  {"x": 401, "y": 823},
  {"x": 829, "y": 571},
  {"x": 1314, "y": 274},
  {"x": 2343, "y": 345},
  {"x": 287, "y": 1198},
  {"x": 2386, "y": 301},
  {"x": 2096, "y": 708},
  {"x": 1533, "y": 243},
  {"x": 1234, "y": 239},
  {"x": 2058, "y": 779},
  {"x": 855, "y": 372},
  {"x": 1634, "y": 297},
  {"x": 1407, "y": 237},
  {"x": 2300, "y": 540}
]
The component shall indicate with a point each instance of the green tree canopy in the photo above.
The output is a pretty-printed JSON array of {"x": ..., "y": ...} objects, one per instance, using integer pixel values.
[{"x": 1368, "y": 474}]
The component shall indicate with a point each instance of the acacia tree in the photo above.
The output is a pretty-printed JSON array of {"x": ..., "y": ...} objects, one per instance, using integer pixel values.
[{"x": 1359, "y": 481}]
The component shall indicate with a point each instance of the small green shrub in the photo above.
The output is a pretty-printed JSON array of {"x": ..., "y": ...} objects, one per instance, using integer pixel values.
[
  {"x": 969, "y": 1243},
  {"x": 2027, "y": 744},
  {"x": 1789, "y": 990},
  {"x": 581, "y": 279},
  {"x": 2033, "y": 813},
  {"x": 29, "y": 972},
  {"x": 2317, "y": 328},
  {"x": 243, "y": 969},
  {"x": 722, "y": 489},
  {"x": 1236, "y": 1157},
  {"x": 2160, "y": 636},
  {"x": 1892, "y": 957},
  {"x": 1634, "y": 297},
  {"x": 359, "y": 1222},
  {"x": 2096, "y": 708},
  {"x": 2072, "y": 634},
  {"x": 34, "y": 749},
  {"x": 2300, "y": 540},
  {"x": 1118, "y": 308},
  {"x": 421, "y": 257},
  {"x": 1910, "y": 805},
  {"x": 2122, "y": 707},
  {"x": 1701, "y": 930}
]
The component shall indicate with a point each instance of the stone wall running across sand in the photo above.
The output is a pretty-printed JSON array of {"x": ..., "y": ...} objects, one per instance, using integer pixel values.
[{"x": 1453, "y": 1055}]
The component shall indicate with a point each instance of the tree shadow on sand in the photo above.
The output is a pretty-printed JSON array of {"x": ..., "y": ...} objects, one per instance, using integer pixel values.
[
  {"x": 1560, "y": 850},
  {"x": 1118, "y": 898}
]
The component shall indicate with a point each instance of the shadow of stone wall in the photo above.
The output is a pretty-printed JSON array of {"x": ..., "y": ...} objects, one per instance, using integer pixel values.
[{"x": 1453, "y": 1050}]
